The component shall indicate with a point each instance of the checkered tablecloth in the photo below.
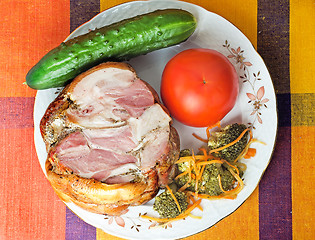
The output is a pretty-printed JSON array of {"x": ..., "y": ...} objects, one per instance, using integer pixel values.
[{"x": 282, "y": 207}]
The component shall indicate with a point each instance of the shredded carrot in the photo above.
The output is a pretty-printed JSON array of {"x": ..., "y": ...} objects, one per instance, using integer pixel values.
[
  {"x": 193, "y": 194},
  {"x": 179, "y": 217},
  {"x": 201, "y": 172},
  {"x": 184, "y": 187},
  {"x": 231, "y": 143},
  {"x": 189, "y": 179},
  {"x": 232, "y": 166},
  {"x": 231, "y": 194},
  {"x": 196, "y": 167},
  {"x": 181, "y": 174},
  {"x": 193, "y": 162},
  {"x": 210, "y": 162},
  {"x": 234, "y": 191},
  {"x": 255, "y": 140},
  {"x": 220, "y": 184},
  {"x": 186, "y": 158},
  {"x": 193, "y": 216},
  {"x": 246, "y": 147},
  {"x": 196, "y": 185},
  {"x": 240, "y": 185},
  {"x": 218, "y": 124},
  {"x": 192, "y": 206},
  {"x": 198, "y": 177},
  {"x": 200, "y": 138},
  {"x": 175, "y": 199},
  {"x": 191, "y": 197},
  {"x": 241, "y": 166},
  {"x": 204, "y": 151},
  {"x": 243, "y": 153},
  {"x": 250, "y": 153}
]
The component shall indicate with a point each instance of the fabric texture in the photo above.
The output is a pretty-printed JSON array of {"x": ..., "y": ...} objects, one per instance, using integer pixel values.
[{"x": 282, "y": 207}]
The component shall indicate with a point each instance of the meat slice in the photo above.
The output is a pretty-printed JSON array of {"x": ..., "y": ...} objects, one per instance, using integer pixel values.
[
  {"x": 92, "y": 153},
  {"x": 108, "y": 136},
  {"x": 108, "y": 97}
]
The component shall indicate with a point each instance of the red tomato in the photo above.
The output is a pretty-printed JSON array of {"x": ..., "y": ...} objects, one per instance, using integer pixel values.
[{"x": 199, "y": 87}]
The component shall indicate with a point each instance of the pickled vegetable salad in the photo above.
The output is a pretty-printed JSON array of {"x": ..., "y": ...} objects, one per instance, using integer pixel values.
[{"x": 214, "y": 173}]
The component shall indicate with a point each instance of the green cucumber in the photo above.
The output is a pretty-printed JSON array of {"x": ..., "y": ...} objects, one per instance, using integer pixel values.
[{"x": 116, "y": 42}]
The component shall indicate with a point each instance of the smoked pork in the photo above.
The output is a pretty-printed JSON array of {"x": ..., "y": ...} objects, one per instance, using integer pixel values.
[{"x": 109, "y": 140}]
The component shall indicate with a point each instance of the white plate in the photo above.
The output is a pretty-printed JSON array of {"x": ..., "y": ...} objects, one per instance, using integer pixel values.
[{"x": 256, "y": 86}]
